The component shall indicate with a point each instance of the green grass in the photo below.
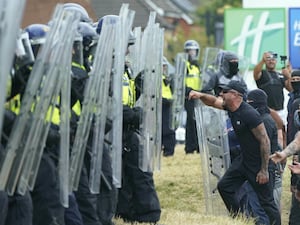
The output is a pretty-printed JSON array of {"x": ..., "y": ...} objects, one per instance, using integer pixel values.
[{"x": 180, "y": 189}]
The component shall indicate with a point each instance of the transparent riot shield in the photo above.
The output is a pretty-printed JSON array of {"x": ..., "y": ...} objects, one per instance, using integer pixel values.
[
  {"x": 210, "y": 65},
  {"x": 60, "y": 95},
  {"x": 96, "y": 91},
  {"x": 244, "y": 63},
  {"x": 123, "y": 29},
  {"x": 178, "y": 89},
  {"x": 56, "y": 92},
  {"x": 101, "y": 108},
  {"x": 135, "y": 53},
  {"x": 65, "y": 110},
  {"x": 215, "y": 155},
  {"x": 28, "y": 137},
  {"x": 11, "y": 13},
  {"x": 150, "y": 143}
]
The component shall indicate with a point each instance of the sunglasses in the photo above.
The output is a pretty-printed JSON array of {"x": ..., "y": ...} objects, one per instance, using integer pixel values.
[{"x": 227, "y": 91}]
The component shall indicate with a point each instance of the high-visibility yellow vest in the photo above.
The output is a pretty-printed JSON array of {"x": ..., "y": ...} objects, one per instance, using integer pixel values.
[
  {"x": 14, "y": 104},
  {"x": 166, "y": 90},
  {"x": 193, "y": 77},
  {"x": 77, "y": 108},
  {"x": 128, "y": 91}
]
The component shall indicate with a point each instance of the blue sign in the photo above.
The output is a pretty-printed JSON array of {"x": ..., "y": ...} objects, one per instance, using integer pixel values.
[{"x": 294, "y": 37}]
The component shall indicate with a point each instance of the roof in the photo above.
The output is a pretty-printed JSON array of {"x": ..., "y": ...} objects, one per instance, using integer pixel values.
[{"x": 164, "y": 8}]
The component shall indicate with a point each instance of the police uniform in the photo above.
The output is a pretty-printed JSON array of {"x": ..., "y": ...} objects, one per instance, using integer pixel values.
[
  {"x": 87, "y": 202},
  {"x": 192, "y": 81},
  {"x": 96, "y": 209},
  {"x": 168, "y": 134},
  {"x": 15, "y": 209},
  {"x": 137, "y": 199}
]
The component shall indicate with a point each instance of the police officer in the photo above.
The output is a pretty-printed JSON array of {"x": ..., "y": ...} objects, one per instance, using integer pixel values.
[
  {"x": 168, "y": 134},
  {"x": 192, "y": 81},
  {"x": 87, "y": 201},
  {"x": 45, "y": 194},
  {"x": 15, "y": 209},
  {"x": 137, "y": 199}
]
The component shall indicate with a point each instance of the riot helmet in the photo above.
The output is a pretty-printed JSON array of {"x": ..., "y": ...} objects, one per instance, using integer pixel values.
[
  {"x": 89, "y": 43},
  {"x": 112, "y": 19},
  {"x": 23, "y": 54},
  {"x": 37, "y": 35},
  {"x": 84, "y": 16},
  {"x": 89, "y": 35},
  {"x": 192, "y": 48},
  {"x": 165, "y": 65}
]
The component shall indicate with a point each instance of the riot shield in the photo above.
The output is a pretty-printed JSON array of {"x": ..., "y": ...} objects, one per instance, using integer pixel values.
[
  {"x": 11, "y": 13},
  {"x": 60, "y": 95},
  {"x": 101, "y": 109},
  {"x": 96, "y": 91},
  {"x": 150, "y": 143},
  {"x": 134, "y": 53},
  {"x": 28, "y": 137},
  {"x": 210, "y": 65},
  {"x": 215, "y": 154},
  {"x": 244, "y": 63},
  {"x": 123, "y": 29},
  {"x": 178, "y": 89},
  {"x": 51, "y": 96}
]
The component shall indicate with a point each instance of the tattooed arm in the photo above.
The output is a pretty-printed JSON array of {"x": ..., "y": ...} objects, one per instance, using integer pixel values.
[
  {"x": 291, "y": 149},
  {"x": 261, "y": 135}
]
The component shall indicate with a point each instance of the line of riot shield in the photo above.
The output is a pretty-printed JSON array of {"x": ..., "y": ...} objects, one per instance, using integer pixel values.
[
  {"x": 15, "y": 150},
  {"x": 11, "y": 13},
  {"x": 124, "y": 28},
  {"x": 55, "y": 93},
  {"x": 178, "y": 82},
  {"x": 95, "y": 94},
  {"x": 215, "y": 155},
  {"x": 150, "y": 100}
]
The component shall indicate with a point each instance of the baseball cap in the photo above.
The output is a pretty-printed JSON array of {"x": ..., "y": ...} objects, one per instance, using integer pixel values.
[{"x": 236, "y": 85}]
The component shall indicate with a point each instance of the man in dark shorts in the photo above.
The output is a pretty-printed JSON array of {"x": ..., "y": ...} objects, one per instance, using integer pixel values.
[{"x": 255, "y": 150}]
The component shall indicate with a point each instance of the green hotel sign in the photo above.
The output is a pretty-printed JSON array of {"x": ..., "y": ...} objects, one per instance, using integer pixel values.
[{"x": 250, "y": 32}]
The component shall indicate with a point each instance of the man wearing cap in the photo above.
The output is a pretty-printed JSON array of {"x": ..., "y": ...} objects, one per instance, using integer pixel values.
[
  {"x": 252, "y": 164},
  {"x": 272, "y": 82}
]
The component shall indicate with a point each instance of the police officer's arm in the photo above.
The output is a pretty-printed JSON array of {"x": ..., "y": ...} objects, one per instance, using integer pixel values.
[
  {"x": 291, "y": 149},
  {"x": 259, "y": 66},
  {"x": 207, "y": 99},
  {"x": 261, "y": 135}
]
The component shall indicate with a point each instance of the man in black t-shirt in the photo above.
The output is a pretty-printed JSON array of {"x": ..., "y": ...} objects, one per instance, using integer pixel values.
[
  {"x": 272, "y": 82},
  {"x": 255, "y": 150}
]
